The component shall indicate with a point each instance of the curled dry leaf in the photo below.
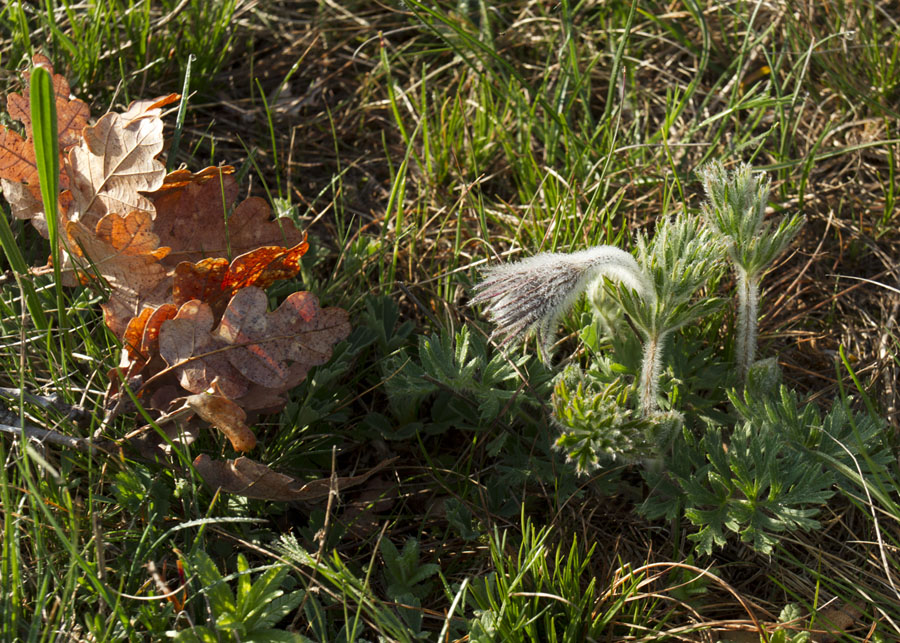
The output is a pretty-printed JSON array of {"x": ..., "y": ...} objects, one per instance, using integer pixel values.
[
  {"x": 226, "y": 416},
  {"x": 186, "y": 204},
  {"x": 121, "y": 306},
  {"x": 141, "y": 337},
  {"x": 18, "y": 168},
  {"x": 214, "y": 280},
  {"x": 132, "y": 356},
  {"x": 179, "y": 179},
  {"x": 245, "y": 477},
  {"x": 148, "y": 107}
]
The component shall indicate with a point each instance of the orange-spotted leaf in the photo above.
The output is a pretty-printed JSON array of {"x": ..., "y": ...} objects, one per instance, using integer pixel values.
[
  {"x": 264, "y": 266},
  {"x": 177, "y": 180},
  {"x": 252, "y": 356},
  {"x": 141, "y": 337},
  {"x": 201, "y": 280},
  {"x": 132, "y": 337},
  {"x": 215, "y": 281},
  {"x": 150, "y": 338}
]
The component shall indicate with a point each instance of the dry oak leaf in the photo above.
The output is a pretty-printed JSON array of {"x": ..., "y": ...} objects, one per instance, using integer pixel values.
[
  {"x": 124, "y": 304},
  {"x": 140, "y": 340},
  {"x": 148, "y": 107},
  {"x": 178, "y": 179},
  {"x": 214, "y": 280},
  {"x": 265, "y": 345},
  {"x": 226, "y": 416},
  {"x": 245, "y": 477},
  {"x": 18, "y": 168},
  {"x": 197, "y": 358},
  {"x": 72, "y": 115},
  {"x": 116, "y": 161},
  {"x": 195, "y": 218},
  {"x": 252, "y": 356},
  {"x": 133, "y": 358}
]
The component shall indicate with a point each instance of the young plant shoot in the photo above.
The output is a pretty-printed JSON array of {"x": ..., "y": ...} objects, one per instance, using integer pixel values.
[
  {"x": 735, "y": 207},
  {"x": 680, "y": 258}
]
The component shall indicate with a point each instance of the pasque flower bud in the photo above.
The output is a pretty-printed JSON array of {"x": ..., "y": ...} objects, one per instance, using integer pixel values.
[{"x": 533, "y": 293}]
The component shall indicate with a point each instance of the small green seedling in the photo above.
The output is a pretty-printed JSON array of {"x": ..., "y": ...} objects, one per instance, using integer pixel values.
[{"x": 251, "y": 613}]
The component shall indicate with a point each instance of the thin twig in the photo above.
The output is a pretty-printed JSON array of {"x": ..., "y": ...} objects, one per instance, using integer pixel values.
[
  {"x": 46, "y": 435},
  {"x": 53, "y": 402}
]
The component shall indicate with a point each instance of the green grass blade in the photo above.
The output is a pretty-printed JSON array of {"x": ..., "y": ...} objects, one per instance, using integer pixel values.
[
  {"x": 172, "y": 155},
  {"x": 20, "y": 269},
  {"x": 46, "y": 152}
]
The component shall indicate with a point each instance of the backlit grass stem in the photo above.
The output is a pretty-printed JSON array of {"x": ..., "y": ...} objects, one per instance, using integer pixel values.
[{"x": 46, "y": 153}]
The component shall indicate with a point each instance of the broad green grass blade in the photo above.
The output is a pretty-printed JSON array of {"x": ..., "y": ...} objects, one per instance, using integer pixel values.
[{"x": 46, "y": 152}]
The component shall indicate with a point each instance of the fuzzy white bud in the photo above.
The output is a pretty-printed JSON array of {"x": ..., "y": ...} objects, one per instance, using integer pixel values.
[{"x": 534, "y": 292}]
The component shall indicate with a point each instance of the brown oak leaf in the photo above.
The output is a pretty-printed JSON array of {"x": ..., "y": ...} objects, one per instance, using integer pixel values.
[
  {"x": 131, "y": 340},
  {"x": 187, "y": 345},
  {"x": 115, "y": 162},
  {"x": 248, "y": 478},
  {"x": 141, "y": 337},
  {"x": 148, "y": 107},
  {"x": 125, "y": 303},
  {"x": 18, "y": 168},
  {"x": 125, "y": 252},
  {"x": 195, "y": 218},
  {"x": 179, "y": 179},
  {"x": 266, "y": 344},
  {"x": 252, "y": 356}
]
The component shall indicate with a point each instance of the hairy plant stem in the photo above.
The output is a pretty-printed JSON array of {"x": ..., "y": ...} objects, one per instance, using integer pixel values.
[
  {"x": 748, "y": 304},
  {"x": 650, "y": 369}
]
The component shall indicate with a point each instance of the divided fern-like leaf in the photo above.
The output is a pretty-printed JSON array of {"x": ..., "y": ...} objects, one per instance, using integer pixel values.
[{"x": 458, "y": 365}]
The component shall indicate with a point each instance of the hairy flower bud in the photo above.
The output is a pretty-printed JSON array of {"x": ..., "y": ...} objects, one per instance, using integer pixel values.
[{"x": 534, "y": 292}]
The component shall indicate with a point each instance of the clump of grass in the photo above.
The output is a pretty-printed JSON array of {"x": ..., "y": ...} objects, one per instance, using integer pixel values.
[{"x": 114, "y": 43}]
